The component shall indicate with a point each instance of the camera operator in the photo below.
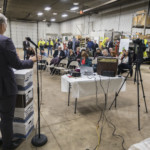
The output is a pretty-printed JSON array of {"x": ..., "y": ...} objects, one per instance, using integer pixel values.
[{"x": 124, "y": 63}]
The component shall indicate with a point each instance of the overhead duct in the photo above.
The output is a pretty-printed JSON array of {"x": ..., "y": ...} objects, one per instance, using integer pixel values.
[
  {"x": 104, "y": 4},
  {"x": 144, "y": 2}
]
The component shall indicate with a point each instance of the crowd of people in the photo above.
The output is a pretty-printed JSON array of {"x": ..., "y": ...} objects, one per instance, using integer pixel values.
[{"x": 73, "y": 52}]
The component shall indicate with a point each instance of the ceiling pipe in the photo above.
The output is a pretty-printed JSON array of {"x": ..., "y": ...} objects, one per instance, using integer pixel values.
[
  {"x": 123, "y": 7},
  {"x": 93, "y": 8}
]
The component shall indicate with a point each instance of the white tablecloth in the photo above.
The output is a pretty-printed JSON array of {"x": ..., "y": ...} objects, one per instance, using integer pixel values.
[{"x": 86, "y": 85}]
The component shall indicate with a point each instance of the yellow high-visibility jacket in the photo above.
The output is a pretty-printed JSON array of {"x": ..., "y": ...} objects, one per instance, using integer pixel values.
[
  {"x": 104, "y": 42},
  {"x": 41, "y": 43},
  {"x": 51, "y": 43}
]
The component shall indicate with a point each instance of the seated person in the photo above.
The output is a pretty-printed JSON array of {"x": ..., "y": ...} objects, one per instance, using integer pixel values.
[
  {"x": 58, "y": 56},
  {"x": 105, "y": 53},
  {"x": 30, "y": 52},
  {"x": 85, "y": 61},
  {"x": 88, "y": 52},
  {"x": 97, "y": 53},
  {"x": 43, "y": 53},
  {"x": 72, "y": 57},
  {"x": 124, "y": 63},
  {"x": 78, "y": 54},
  {"x": 66, "y": 51}
]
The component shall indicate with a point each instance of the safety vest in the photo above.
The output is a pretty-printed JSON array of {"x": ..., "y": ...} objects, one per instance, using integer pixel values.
[
  {"x": 104, "y": 42},
  {"x": 51, "y": 43},
  {"x": 145, "y": 55},
  {"x": 41, "y": 43}
]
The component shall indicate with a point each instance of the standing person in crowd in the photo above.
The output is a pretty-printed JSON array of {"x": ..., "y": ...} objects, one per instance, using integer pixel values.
[
  {"x": 74, "y": 43},
  {"x": 56, "y": 45},
  {"x": 95, "y": 46},
  {"x": 26, "y": 45},
  {"x": 90, "y": 45},
  {"x": 70, "y": 44},
  {"x": 50, "y": 45},
  {"x": 8, "y": 87},
  {"x": 57, "y": 56},
  {"x": 77, "y": 44},
  {"x": 72, "y": 57},
  {"x": 84, "y": 61},
  {"x": 41, "y": 44},
  {"x": 30, "y": 52},
  {"x": 109, "y": 45}
]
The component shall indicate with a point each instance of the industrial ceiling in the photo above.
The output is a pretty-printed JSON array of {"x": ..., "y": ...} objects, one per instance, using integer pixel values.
[{"x": 27, "y": 9}]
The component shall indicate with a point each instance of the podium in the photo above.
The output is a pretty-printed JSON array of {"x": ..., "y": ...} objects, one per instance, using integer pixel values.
[{"x": 23, "y": 123}]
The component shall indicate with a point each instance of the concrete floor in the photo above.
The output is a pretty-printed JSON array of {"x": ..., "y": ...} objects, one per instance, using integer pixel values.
[{"x": 68, "y": 131}]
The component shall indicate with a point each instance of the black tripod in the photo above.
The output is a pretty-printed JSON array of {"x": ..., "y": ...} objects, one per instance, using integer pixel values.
[{"x": 137, "y": 79}]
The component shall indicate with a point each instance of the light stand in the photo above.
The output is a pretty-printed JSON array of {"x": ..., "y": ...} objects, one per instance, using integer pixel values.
[{"x": 39, "y": 139}]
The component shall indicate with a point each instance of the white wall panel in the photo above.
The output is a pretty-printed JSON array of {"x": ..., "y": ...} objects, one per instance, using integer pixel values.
[
  {"x": 118, "y": 21},
  {"x": 20, "y": 30},
  {"x": 45, "y": 29}
]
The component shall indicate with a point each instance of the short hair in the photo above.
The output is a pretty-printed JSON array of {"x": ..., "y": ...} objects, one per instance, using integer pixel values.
[
  {"x": 105, "y": 50},
  {"x": 3, "y": 19}
]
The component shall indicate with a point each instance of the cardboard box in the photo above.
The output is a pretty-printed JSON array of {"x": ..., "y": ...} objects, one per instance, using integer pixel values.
[
  {"x": 147, "y": 36},
  {"x": 141, "y": 12},
  {"x": 135, "y": 21},
  {"x": 24, "y": 98},
  {"x": 23, "y": 77},
  {"x": 141, "y": 20},
  {"x": 22, "y": 130},
  {"x": 21, "y": 114}
]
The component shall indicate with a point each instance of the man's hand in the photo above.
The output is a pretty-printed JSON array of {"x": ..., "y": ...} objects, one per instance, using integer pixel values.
[{"x": 34, "y": 58}]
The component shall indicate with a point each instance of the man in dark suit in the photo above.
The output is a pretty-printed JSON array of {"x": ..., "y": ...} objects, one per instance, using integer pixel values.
[
  {"x": 70, "y": 44},
  {"x": 95, "y": 46},
  {"x": 26, "y": 46},
  {"x": 58, "y": 56},
  {"x": 109, "y": 44},
  {"x": 8, "y": 87}
]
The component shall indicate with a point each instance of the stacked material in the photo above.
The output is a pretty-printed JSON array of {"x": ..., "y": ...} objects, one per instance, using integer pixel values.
[{"x": 23, "y": 119}]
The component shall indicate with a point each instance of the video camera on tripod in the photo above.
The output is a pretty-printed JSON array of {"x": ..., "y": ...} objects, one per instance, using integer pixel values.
[{"x": 139, "y": 48}]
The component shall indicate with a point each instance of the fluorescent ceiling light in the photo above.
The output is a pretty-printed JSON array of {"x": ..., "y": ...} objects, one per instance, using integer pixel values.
[
  {"x": 47, "y": 8},
  {"x": 55, "y": 13},
  {"x": 75, "y": 3},
  {"x": 64, "y": 15},
  {"x": 74, "y": 8},
  {"x": 53, "y": 19},
  {"x": 39, "y": 13}
]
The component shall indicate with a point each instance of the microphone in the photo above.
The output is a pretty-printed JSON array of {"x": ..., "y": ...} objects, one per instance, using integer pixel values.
[{"x": 29, "y": 39}]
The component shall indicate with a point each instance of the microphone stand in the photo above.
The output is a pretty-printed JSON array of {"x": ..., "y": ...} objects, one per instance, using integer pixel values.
[{"x": 39, "y": 139}]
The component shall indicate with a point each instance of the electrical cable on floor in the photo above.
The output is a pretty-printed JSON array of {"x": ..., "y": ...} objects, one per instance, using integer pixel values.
[{"x": 103, "y": 115}]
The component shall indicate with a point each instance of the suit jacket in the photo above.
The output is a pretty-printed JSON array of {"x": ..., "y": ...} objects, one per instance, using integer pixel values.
[
  {"x": 110, "y": 45},
  {"x": 62, "y": 54},
  {"x": 26, "y": 45},
  {"x": 70, "y": 45},
  {"x": 9, "y": 60}
]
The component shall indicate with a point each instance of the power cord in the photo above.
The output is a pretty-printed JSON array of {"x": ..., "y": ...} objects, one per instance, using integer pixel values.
[{"x": 103, "y": 115}]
